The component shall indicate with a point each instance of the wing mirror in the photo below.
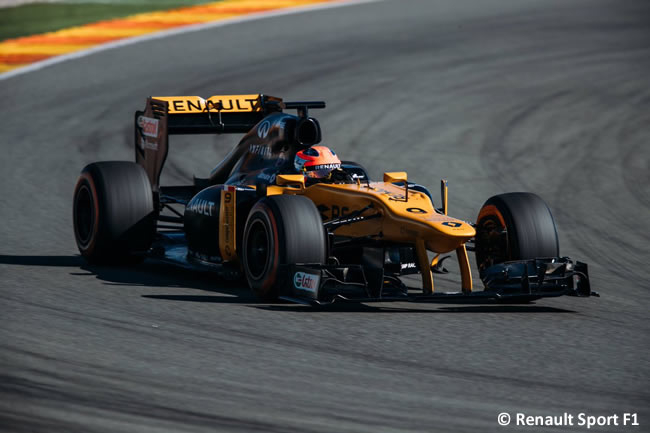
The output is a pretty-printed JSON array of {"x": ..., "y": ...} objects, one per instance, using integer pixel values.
[
  {"x": 398, "y": 176},
  {"x": 291, "y": 180},
  {"x": 395, "y": 176}
]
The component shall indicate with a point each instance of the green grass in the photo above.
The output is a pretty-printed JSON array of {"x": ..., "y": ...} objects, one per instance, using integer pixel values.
[{"x": 37, "y": 18}]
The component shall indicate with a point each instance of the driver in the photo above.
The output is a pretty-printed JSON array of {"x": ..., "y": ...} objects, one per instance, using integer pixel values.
[{"x": 317, "y": 163}]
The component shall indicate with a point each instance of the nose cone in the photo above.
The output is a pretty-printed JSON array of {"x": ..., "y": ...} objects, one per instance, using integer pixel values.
[
  {"x": 447, "y": 234},
  {"x": 455, "y": 228}
]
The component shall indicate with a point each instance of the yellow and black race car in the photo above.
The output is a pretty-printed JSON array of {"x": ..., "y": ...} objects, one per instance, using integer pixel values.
[{"x": 301, "y": 225}]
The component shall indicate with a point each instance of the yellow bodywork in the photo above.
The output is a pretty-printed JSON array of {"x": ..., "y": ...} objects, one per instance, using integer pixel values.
[
  {"x": 227, "y": 224},
  {"x": 411, "y": 221}
]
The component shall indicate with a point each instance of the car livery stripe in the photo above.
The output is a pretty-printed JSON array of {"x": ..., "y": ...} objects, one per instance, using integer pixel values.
[{"x": 21, "y": 52}]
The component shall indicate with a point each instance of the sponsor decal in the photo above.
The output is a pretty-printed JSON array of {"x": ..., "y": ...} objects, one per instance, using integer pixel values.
[
  {"x": 202, "y": 207},
  {"x": 260, "y": 149},
  {"x": 407, "y": 266},
  {"x": 323, "y": 211},
  {"x": 268, "y": 177},
  {"x": 263, "y": 129},
  {"x": 324, "y": 167},
  {"x": 196, "y": 104},
  {"x": 333, "y": 212},
  {"x": 453, "y": 224},
  {"x": 149, "y": 126},
  {"x": 305, "y": 281},
  {"x": 203, "y": 257}
]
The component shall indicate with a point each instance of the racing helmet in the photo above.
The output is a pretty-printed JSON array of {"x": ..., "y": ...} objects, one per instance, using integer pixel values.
[{"x": 316, "y": 162}]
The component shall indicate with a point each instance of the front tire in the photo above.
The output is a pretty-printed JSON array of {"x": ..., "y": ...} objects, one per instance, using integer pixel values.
[
  {"x": 280, "y": 230},
  {"x": 113, "y": 212},
  {"x": 514, "y": 226}
]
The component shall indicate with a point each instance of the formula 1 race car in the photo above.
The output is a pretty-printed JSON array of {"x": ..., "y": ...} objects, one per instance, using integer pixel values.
[{"x": 301, "y": 225}]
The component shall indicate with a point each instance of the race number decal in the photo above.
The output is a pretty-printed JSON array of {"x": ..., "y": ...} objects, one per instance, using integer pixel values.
[{"x": 416, "y": 210}]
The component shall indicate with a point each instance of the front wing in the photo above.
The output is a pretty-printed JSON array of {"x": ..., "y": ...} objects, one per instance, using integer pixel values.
[{"x": 516, "y": 281}]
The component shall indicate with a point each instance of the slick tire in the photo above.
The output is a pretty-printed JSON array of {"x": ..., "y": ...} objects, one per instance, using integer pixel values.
[
  {"x": 514, "y": 226},
  {"x": 113, "y": 213},
  {"x": 280, "y": 230}
]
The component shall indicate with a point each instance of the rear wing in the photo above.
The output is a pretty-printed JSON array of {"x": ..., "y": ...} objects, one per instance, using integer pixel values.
[{"x": 168, "y": 115}]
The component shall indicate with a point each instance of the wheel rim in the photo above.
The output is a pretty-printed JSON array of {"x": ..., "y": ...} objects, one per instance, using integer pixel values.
[
  {"x": 491, "y": 242},
  {"x": 84, "y": 217},
  {"x": 258, "y": 250}
]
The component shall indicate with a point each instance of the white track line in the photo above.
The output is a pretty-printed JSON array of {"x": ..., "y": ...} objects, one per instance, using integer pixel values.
[{"x": 172, "y": 32}]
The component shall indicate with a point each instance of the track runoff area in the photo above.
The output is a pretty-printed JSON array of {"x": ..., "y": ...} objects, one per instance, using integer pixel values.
[{"x": 33, "y": 52}]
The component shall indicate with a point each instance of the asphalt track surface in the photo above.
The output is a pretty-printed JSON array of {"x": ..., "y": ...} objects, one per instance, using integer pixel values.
[{"x": 496, "y": 96}]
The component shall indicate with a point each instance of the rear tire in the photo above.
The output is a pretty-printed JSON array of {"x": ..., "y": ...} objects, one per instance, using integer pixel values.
[
  {"x": 113, "y": 212},
  {"x": 514, "y": 226},
  {"x": 280, "y": 230}
]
